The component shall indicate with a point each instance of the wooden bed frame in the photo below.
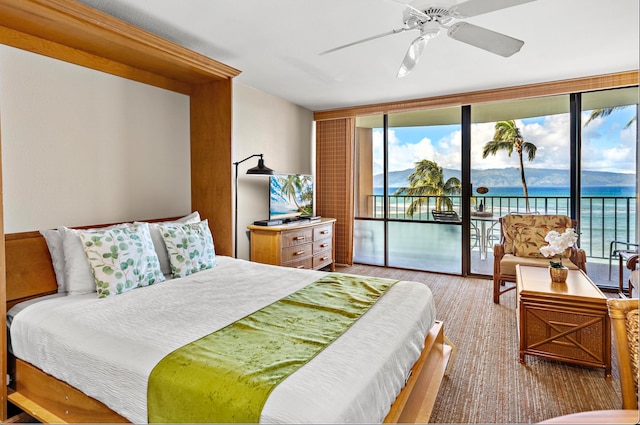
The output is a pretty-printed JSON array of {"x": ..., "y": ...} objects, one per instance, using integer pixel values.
[{"x": 30, "y": 275}]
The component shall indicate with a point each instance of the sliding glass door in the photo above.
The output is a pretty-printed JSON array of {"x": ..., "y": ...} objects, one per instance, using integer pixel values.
[
  {"x": 520, "y": 161},
  {"x": 405, "y": 177}
]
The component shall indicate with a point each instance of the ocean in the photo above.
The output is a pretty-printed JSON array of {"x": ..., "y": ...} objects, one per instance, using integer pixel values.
[
  {"x": 607, "y": 213},
  {"x": 589, "y": 191}
]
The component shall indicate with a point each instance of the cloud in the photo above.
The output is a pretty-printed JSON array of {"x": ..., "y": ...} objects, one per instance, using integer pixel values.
[{"x": 606, "y": 146}]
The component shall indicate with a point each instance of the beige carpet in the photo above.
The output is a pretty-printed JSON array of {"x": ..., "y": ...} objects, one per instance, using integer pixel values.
[{"x": 487, "y": 383}]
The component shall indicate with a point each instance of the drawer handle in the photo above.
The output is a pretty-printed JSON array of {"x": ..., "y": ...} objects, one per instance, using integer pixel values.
[
  {"x": 324, "y": 245},
  {"x": 299, "y": 253},
  {"x": 324, "y": 232},
  {"x": 300, "y": 266},
  {"x": 299, "y": 238},
  {"x": 324, "y": 258}
]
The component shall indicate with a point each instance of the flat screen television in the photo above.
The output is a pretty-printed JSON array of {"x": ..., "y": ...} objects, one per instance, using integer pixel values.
[{"x": 290, "y": 196}]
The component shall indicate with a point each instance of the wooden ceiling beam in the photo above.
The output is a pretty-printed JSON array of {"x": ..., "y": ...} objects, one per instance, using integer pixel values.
[{"x": 113, "y": 45}]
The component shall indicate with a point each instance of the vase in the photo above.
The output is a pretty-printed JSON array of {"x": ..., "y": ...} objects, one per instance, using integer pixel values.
[{"x": 558, "y": 274}]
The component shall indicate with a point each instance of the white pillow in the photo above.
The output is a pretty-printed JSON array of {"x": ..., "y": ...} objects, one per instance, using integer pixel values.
[
  {"x": 121, "y": 259},
  {"x": 77, "y": 272},
  {"x": 190, "y": 247},
  {"x": 158, "y": 242},
  {"x": 53, "y": 237}
]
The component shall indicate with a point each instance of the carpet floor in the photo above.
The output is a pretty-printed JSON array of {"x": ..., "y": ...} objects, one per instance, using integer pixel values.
[{"x": 487, "y": 383}]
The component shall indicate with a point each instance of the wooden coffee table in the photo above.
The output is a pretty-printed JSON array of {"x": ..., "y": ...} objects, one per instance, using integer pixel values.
[{"x": 568, "y": 322}]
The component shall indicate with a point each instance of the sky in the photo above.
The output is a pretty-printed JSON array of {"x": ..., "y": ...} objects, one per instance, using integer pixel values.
[{"x": 606, "y": 145}]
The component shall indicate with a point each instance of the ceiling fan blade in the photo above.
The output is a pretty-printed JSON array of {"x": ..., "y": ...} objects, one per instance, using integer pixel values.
[
  {"x": 413, "y": 55},
  {"x": 364, "y": 40},
  {"x": 478, "y": 7},
  {"x": 483, "y": 38}
]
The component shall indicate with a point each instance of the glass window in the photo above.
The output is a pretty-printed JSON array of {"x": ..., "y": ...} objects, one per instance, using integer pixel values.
[
  {"x": 608, "y": 178},
  {"x": 520, "y": 160}
]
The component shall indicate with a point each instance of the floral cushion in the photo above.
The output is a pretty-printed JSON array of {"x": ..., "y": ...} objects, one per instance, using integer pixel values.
[
  {"x": 158, "y": 242},
  {"x": 121, "y": 259},
  {"x": 190, "y": 247},
  {"x": 524, "y": 233}
]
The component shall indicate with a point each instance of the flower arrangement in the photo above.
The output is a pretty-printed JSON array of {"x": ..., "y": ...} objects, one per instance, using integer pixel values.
[{"x": 558, "y": 243}]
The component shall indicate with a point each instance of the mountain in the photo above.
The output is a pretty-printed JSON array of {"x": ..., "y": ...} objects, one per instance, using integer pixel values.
[{"x": 510, "y": 177}]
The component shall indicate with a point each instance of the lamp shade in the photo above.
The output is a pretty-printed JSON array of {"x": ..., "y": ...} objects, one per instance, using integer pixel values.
[{"x": 260, "y": 168}]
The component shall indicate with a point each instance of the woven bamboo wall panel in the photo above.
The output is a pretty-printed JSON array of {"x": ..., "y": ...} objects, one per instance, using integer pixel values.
[{"x": 334, "y": 181}]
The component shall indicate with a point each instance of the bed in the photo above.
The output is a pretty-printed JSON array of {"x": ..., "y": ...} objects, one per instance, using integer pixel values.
[{"x": 60, "y": 385}]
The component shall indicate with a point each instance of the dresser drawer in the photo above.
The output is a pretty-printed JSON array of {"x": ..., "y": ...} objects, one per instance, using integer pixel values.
[
  {"x": 294, "y": 253},
  {"x": 306, "y": 263},
  {"x": 321, "y": 245},
  {"x": 297, "y": 237},
  {"x": 322, "y": 232},
  {"x": 322, "y": 259}
]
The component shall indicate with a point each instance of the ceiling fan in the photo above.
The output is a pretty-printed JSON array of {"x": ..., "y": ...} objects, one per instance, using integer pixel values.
[{"x": 430, "y": 20}]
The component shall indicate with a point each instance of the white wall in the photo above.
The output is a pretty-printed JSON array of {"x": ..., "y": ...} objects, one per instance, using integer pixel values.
[
  {"x": 83, "y": 147},
  {"x": 282, "y": 132}
]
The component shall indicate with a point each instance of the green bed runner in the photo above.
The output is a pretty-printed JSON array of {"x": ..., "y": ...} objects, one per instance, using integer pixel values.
[{"x": 227, "y": 376}]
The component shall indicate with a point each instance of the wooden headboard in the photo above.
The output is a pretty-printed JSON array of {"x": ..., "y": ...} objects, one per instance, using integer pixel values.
[{"x": 28, "y": 265}]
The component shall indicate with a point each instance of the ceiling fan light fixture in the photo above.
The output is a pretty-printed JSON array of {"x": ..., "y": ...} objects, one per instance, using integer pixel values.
[{"x": 430, "y": 29}]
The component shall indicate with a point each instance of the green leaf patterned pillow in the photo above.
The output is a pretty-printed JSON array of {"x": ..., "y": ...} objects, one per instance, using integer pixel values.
[
  {"x": 121, "y": 259},
  {"x": 190, "y": 247}
]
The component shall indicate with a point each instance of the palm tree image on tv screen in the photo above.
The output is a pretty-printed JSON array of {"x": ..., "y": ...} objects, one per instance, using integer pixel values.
[{"x": 291, "y": 196}]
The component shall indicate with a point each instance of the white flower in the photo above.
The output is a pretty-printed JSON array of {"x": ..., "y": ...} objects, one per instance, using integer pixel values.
[{"x": 558, "y": 243}]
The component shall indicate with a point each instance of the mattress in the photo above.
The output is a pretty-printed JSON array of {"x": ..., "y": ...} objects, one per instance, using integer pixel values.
[{"x": 108, "y": 347}]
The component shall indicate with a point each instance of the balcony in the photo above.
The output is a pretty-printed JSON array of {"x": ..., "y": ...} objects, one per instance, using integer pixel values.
[{"x": 602, "y": 221}]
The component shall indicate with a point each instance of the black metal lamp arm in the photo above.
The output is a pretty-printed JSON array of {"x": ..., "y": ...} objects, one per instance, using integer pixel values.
[{"x": 261, "y": 170}]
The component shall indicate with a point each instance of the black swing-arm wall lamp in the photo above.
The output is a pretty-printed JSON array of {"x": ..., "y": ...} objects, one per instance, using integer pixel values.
[{"x": 260, "y": 169}]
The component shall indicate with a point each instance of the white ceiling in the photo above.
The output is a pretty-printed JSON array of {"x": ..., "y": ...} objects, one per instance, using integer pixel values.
[{"x": 276, "y": 45}]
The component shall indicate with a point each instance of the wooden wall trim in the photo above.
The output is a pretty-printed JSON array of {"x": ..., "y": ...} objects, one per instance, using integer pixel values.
[
  {"x": 585, "y": 84},
  {"x": 48, "y": 48},
  {"x": 211, "y": 160},
  {"x": 79, "y": 27}
]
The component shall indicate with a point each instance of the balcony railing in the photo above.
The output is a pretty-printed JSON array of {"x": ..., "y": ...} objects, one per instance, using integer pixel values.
[{"x": 602, "y": 219}]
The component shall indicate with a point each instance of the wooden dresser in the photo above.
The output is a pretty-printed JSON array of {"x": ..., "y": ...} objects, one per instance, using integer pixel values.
[{"x": 302, "y": 245}]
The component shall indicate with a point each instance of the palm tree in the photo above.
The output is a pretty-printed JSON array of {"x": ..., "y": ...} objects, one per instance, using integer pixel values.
[
  {"x": 508, "y": 138},
  {"x": 605, "y": 112},
  {"x": 428, "y": 180}
]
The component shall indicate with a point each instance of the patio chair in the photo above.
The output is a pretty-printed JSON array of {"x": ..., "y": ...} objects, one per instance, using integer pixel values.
[
  {"x": 453, "y": 217},
  {"x": 521, "y": 237},
  {"x": 614, "y": 250},
  {"x": 448, "y": 216},
  {"x": 624, "y": 322}
]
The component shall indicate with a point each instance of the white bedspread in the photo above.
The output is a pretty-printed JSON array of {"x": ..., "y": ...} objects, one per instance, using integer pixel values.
[{"x": 108, "y": 347}]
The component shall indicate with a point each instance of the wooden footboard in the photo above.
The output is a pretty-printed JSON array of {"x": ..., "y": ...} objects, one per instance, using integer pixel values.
[
  {"x": 50, "y": 400},
  {"x": 415, "y": 402}
]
